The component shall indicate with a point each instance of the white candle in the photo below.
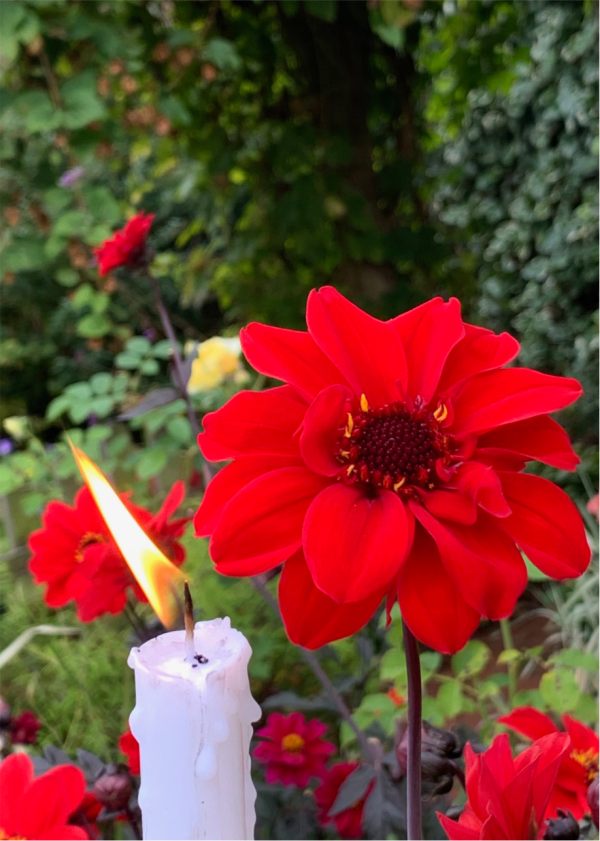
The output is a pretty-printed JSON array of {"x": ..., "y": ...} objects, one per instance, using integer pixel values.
[{"x": 193, "y": 721}]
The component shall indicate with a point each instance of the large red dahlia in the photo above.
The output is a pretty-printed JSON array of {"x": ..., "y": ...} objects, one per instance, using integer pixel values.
[
  {"x": 579, "y": 766},
  {"x": 390, "y": 466},
  {"x": 76, "y": 557}
]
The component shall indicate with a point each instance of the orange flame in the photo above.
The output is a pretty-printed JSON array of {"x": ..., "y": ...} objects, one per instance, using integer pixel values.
[{"x": 154, "y": 572}]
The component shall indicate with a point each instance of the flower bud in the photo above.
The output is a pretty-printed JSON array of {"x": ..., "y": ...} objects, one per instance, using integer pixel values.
[
  {"x": 563, "y": 827},
  {"x": 438, "y": 750},
  {"x": 592, "y": 799},
  {"x": 113, "y": 788}
]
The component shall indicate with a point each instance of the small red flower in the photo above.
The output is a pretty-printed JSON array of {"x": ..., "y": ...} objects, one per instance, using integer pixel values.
[
  {"x": 39, "y": 808},
  {"x": 578, "y": 768},
  {"x": 390, "y": 466},
  {"x": 129, "y": 746},
  {"x": 87, "y": 814},
  {"x": 293, "y": 749},
  {"x": 126, "y": 247},
  {"x": 76, "y": 557},
  {"x": 508, "y": 797},
  {"x": 24, "y": 728},
  {"x": 349, "y": 822}
]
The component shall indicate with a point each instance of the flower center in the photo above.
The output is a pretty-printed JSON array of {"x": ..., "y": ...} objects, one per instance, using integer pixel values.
[
  {"x": 88, "y": 538},
  {"x": 4, "y": 836},
  {"x": 588, "y": 759},
  {"x": 395, "y": 447},
  {"x": 293, "y": 742}
]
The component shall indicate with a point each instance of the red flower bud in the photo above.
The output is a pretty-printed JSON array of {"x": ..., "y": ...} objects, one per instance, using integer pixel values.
[{"x": 113, "y": 788}]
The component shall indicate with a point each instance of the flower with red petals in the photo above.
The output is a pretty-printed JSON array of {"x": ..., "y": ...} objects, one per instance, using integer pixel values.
[
  {"x": 389, "y": 466},
  {"x": 76, "y": 557},
  {"x": 129, "y": 746},
  {"x": 39, "y": 807},
  {"x": 348, "y": 822},
  {"x": 293, "y": 749},
  {"x": 578, "y": 768},
  {"x": 24, "y": 728},
  {"x": 127, "y": 246},
  {"x": 508, "y": 797},
  {"x": 87, "y": 815}
]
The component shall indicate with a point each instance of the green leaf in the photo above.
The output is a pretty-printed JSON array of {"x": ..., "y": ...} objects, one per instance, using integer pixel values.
[
  {"x": 102, "y": 382},
  {"x": 149, "y": 367},
  {"x": 179, "y": 429},
  {"x": 559, "y": 690},
  {"x": 138, "y": 345},
  {"x": 152, "y": 462},
  {"x": 93, "y": 326},
  {"x": 222, "y": 54},
  {"x": 23, "y": 255},
  {"x": 163, "y": 349},
  {"x": 67, "y": 277},
  {"x": 575, "y": 659},
  {"x": 78, "y": 412},
  {"x": 57, "y": 407},
  {"x": 393, "y": 665},
  {"x": 533, "y": 573},
  {"x": 102, "y": 406},
  {"x": 449, "y": 699},
  {"x": 127, "y": 360},
  {"x": 71, "y": 223},
  {"x": 323, "y": 9},
  {"x": 509, "y": 655},
  {"x": 471, "y": 659},
  {"x": 78, "y": 392},
  {"x": 82, "y": 104},
  {"x": 9, "y": 479}
]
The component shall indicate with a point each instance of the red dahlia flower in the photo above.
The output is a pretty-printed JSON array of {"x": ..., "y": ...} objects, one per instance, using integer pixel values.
[
  {"x": 506, "y": 797},
  {"x": 390, "y": 466},
  {"x": 349, "y": 822},
  {"x": 127, "y": 246},
  {"x": 75, "y": 555},
  {"x": 24, "y": 728},
  {"x": 39, "y": 808},
  {"x": 578, "y": 768},
  {"x": 293, "y": 749},
  {"x": 128, "y": 745}
]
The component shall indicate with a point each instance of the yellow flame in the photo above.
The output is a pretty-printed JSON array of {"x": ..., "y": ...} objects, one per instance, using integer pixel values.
[{"x": 154, "y": 572}]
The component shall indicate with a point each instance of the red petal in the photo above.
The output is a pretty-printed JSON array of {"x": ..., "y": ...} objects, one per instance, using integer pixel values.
[
  {"x": 480, "y": 483},
  {"x": 310, "y": 617},
  {"x": 510, "y": 394},
  {"x": 253, "y": 422},
  {"x": 542, "y": 439},
  {"x": 51, "y": 799},
  {"x": 16, "y": 773},
  {"x": 321, "y": 430},
  {"x": 457, "y": 831},
  {"x": 431, "y": 604},
  {"x": 172, "y": 502},
  {"x": 262, "y": 525},
  {"x": 367, "y": 351},
  {"x": 485, "y": 564},
  {"x": 546, "y": 525},
  {"x": 451, "y": 505},
  {"x": 354, "y": 545},
  {"x": 429, "y": 333},
  {"x": 582, "y": 737},
  {"x": 480, "y": 350},
  {"x": 226, "y": 483},
  {"x": 289, "y": 355},
  {"x": 529, "y": 722}
]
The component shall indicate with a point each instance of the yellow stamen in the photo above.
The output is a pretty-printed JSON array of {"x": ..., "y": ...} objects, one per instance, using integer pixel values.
[
  {"x": 345, "y": 453},
  {"x": 349, "y": 426},
  {"x": 350, "y": 469},
  {"x": 292, "y": 742},
  {"x": 441, "y": 413},
  {"x": 364, "y": 403},
  {"x": 588, "y": 759},
  {"x": 399, "y": 484}
]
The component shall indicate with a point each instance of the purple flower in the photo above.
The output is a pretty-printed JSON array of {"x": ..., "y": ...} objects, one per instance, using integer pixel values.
[
  {"x": 71, "y": 176},
  {"x": 6, "y": 446}
]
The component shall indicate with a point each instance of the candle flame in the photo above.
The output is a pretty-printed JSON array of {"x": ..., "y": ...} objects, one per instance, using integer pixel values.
[{"x": 154, "y": 572}]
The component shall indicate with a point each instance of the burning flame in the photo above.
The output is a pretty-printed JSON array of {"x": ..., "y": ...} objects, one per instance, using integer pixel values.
[{"x": 154, "y": 572}]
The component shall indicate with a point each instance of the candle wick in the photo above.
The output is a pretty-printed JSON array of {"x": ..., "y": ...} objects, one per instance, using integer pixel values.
[{"x": 188, "y": 621}]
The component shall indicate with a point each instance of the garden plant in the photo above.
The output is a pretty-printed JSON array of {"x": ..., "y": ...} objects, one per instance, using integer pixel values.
[{"x": 313, "y": 283}]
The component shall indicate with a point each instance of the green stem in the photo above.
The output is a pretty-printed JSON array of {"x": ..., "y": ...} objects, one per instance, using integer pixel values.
[{"x": 508, "y": 644}]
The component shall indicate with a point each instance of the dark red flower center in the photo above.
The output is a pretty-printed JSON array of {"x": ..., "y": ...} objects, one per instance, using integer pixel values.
[
  {"x": 588, "y": 759},
  {"x": 292, "y": 743},
  {"x": 395, "y": 447}
]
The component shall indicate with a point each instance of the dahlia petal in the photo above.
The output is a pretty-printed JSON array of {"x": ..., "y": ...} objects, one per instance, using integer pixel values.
[
  {"x": 253, "y": 422},
  {"x": 582, "y": 737},
  {"x": 480, "y": 350},
  {"x": 16, "y": 774},
  {"x": 64, "y": 832},
  {"x": 226, "y": 483},
  {"x": 480, "y": 482},
  {"x": 451, "y": 505},
  {"x": 428, "y": 334},
  {"x": 430, "y": 602},
  {"x": 321, "y": 430},
  {"x": 485, "y": 565},
  {"x": 528, "y": 721},
  {"x": 289, "y": 355},
  {"x": 456, "y": 831},
  {"x": 310, "y": 617},
  {"x": 367, "y": 351},
  {"x": 262, "y": 525},
  {"x": 507, "y": 395},
  {"x": 354, "y": 545},
  {"x": 546, "y": 525},
  {"x": 541, "y": 439},
  {"x": 170, "y": 505},
  {"x": 51, "y": 799},
  {"x": 546, "y": 755}
]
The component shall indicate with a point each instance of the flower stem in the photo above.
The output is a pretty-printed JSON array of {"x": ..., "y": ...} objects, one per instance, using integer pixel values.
[
  {"x": 508, "y": 644},
  {"x": 413, "y": 770}
]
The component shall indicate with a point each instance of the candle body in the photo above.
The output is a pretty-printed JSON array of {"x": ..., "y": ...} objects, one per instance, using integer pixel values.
[{"x": 193, "y": 722}]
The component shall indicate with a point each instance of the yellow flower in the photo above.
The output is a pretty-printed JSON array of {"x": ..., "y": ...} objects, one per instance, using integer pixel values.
[{"x": 217, "y": 360}]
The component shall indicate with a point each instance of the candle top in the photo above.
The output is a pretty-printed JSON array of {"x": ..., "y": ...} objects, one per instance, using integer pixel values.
[{"x": 216, "y": 646}]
